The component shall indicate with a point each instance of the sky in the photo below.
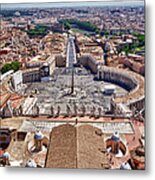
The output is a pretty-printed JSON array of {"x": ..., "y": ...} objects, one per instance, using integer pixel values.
[{"x": 72, "y": 4}]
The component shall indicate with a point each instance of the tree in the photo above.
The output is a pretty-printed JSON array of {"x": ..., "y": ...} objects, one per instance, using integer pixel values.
[
  {"x": 67, "y": 26},
  {"x": 5, "y": 68},
  {"x": 39, "y": 30},
  {"x": 84, "y": 25},
  {"x": 15, "y": 65}
]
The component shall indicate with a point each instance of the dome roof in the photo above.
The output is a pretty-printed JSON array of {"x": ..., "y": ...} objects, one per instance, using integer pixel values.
[
  {"x": 115, "y": 137},
  {"x": 6, "y": 155},
  {"x": 38, "y": 135},
  {"x": 125, "y": 166},
  {"x": 31, "y": 163}
]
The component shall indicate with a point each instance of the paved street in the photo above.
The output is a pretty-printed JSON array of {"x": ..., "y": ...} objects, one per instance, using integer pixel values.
[{"x": 71, "y": 54}]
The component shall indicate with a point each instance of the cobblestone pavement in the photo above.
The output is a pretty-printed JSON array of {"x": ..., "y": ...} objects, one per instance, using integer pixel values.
[{"x": 87, "y": 93}]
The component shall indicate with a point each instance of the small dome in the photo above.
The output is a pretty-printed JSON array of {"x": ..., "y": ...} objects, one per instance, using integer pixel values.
[
  {"x": 31, "y": 163},
  {"x": 38, "y": 135},
  {"x": 115, "y": 137},
  {"x": 125, "y": 166},
  {"x": 6, "y": 155}
]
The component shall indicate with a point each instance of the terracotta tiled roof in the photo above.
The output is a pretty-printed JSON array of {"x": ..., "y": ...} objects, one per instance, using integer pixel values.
[
  {"x": 76, "y": 147},
  {"x": 62, "y": 149}
]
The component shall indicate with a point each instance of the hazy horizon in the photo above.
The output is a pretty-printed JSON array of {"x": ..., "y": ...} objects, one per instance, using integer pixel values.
[{"x": 70, "y": 4}]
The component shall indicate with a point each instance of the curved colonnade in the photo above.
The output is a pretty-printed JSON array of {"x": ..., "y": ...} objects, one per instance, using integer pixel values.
[{"x": 132, "y": 82}]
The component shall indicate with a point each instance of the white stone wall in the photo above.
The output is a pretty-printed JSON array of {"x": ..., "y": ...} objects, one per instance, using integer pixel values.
[{"x": 17, "y": 80}]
